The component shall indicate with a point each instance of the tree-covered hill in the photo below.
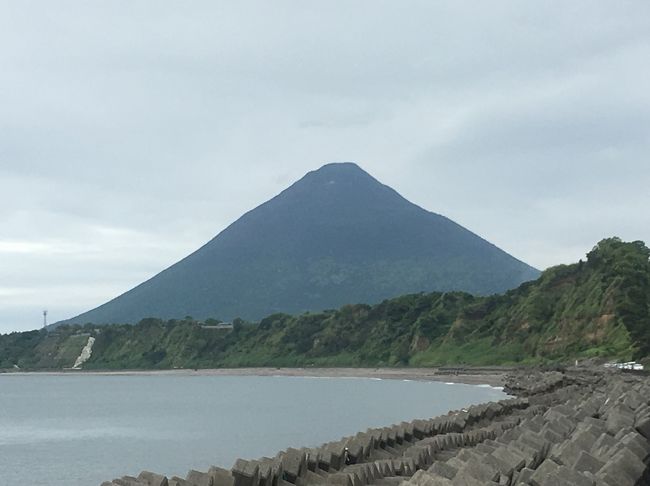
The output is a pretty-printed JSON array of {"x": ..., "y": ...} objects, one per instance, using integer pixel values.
[
  {"x": 595, "y": 308},
  {"x": 335, "y": 237}
]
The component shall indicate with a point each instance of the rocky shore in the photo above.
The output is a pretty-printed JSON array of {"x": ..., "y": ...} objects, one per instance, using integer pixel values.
[{"x": 576, "y": 427}]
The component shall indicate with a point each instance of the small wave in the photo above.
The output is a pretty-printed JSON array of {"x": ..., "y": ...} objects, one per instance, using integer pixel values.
[{"x": 499, "y": 388}]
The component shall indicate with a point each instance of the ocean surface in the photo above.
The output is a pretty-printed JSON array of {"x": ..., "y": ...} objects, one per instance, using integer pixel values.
[{"x": 80, "y": 430}]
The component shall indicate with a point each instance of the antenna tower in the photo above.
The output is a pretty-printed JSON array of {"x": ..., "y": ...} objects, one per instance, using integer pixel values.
[{"x": 44, "y": 319}]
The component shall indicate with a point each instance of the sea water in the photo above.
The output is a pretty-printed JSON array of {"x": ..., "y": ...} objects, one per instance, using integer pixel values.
[{"x": 80, "y": 430}]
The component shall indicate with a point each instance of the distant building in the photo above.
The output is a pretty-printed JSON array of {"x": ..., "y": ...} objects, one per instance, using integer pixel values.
[
  {"x": 222, "y": 325},
  {"x": 630, "y": 365}
]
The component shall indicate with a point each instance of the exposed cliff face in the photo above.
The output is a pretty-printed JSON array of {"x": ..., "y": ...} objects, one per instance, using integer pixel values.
[{"x": 85, "y": 355}]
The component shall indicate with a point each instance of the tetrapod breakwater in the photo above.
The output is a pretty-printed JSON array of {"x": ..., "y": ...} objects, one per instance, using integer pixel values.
[{"x": 572, "y": 427}]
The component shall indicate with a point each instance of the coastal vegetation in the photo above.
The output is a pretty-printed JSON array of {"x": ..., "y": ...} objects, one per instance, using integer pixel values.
[{"x": 596, "y": 308}]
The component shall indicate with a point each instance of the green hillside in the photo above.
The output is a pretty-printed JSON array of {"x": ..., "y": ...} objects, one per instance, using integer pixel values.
[{"x": 596, "y": 308}]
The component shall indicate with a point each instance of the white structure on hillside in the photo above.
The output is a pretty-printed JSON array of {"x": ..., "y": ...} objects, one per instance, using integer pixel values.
[{"x": 630, "y": 365}]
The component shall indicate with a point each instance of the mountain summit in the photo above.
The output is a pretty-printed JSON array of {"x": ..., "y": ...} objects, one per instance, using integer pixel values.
[{"x": 336, "y": 236}]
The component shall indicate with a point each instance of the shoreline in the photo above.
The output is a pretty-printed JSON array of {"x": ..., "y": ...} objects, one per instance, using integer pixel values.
[{"x": 466, "y": 376}]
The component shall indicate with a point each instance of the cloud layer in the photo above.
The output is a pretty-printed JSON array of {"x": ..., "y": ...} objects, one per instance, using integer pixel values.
[{"x": 133, "y": 132}]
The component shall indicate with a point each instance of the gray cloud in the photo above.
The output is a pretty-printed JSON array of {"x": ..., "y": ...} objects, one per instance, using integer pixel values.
[{"x": 132, "y": 132}]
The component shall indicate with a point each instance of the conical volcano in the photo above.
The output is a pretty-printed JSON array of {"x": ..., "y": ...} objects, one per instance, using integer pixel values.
[{"x": 336, "y": 236}]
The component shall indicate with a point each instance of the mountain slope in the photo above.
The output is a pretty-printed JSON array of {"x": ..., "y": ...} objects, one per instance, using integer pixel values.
[{"x": 336, "y": 236}]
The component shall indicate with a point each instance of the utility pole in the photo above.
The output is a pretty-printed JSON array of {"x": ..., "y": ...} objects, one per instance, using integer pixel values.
[{"x": 44, "y": 319}]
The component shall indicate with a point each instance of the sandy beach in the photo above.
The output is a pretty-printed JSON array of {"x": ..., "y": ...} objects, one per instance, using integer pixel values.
[{"x": 470, "y": 376}]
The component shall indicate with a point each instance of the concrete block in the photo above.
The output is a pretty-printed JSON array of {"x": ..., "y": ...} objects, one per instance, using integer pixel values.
[
  {"x": 391, "y": 436},
  {"x": 327, "y": 460},
  {"x": 373, "y": 471},
  {"x": 636, "y": 444},
  {"x": 467, "y": 455},
  {"x": 196, "y": 478},
  {"x": 312, "y": 457},
  {"x": 443, "y": 469},
  {"x": 464, "y": 478},
  {"x": 564, "y": 409},
  {"x": 359, "y": 471},
  {"x": 423, "y": 478},
  {"x": 221, "y": 477},
  {"x": 533, "y": 456},
  {"x": 550, "y": 435},
  {"x": 419, "y": 429},
  {"x": 561, "y": 426},
  {"x": 386, "y": 467},
  {"x": 574, "y": 477},
  {"x": 408, "y": 467},
  {"x": 294, "y": 463},
  {"x": 619, "y": 417},
  {"x": 567, "y": 453},
  {"x": 505, "y": 469},
  {"x": 643, "y": 426},
  {"x": 367, "y": 441},
  {"x": 367, "y": 471},
  {"x": 547, "y": 469},
  {"x": 633, "y": 399},
  {"x": 391, "y": 450},
  {"x": 267, "y": 475},
  {"x": 536, "y": 442},
  {"x": 642, "y": 411},
  {"x": 152, "y": 479},
  {"x": 511, "y": 457},
  {"x": 482, "y": 471},
  {"x": 524, "y": 475},
  {"x": 420, "y": 454},
  {"x": 245, "y": 473},
  {"x": 399, "y": 433},
  {"x": 623, "y": 469},
  {"x": 176, "y": 481},
  {"x": 603, "y": 445},
  {"x": 356, "y": 479},
  {"x": 595, "y": 425},
  {"x": 587, "y": 463},
  {"x": 339, "y": 479},
  {"x": 128, "y": 481},
  {"x": 484, "y": 448}
]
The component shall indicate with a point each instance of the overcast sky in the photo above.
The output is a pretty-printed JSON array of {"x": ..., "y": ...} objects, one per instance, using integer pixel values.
[{"x": 131, "y": 132}]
